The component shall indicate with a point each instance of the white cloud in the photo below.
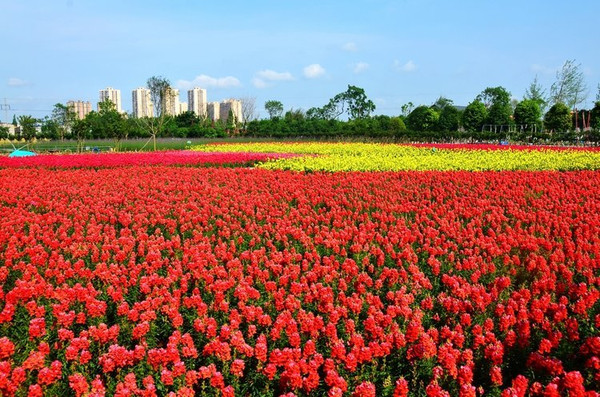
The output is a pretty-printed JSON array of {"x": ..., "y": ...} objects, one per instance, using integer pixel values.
[
  {"x": 259, "y": 83},
  {"x": 205, "y": 81},
  {"x": 313, "y": 71},
  {"x": 350, "y": 46},
  {"x": 16, "y": 82},
  {"x": 360, "y": 67},
  {"x": 265, "y": 78},
  {"x": 271, "y": 75},
  {"x": 408, "y": 67}
]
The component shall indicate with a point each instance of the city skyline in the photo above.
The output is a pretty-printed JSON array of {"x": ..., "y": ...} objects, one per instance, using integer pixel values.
[{"x": 297, "y": 53}]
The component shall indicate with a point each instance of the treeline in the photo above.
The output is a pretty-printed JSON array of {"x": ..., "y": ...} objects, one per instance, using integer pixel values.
[{"x": 493, "y": 115}]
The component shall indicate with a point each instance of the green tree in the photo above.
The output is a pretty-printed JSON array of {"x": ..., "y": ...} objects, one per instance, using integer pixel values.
[
  {"x": 64, "y": 117},
  {"x": 536, "y": 92},
  {"x": 109, "y": 123},
  {"x": 558, "y": 118},
  {"x": 474, "y": 116},
  {"x": 161, "y": 95},
  {"x": 528, "y": 114},
  {"x": 406, "y": 109},
  {"x": 497, "y": 102},
  {"x": 569, "y": 87},
  {"x": 274, "y": 108},
  {"x": 449, "y": 119},
  {"x": 28, "y": 127},
  {"x": 359, "y": 106},
  {"x": 3, "y": 132},
  {"x": 595, "y": 116},
  {"x": 81, "y": 131},
  {"x": 353, "y": 101},
  {"x": 422, "y": 118},
  {"x": 441, "y": 103}
]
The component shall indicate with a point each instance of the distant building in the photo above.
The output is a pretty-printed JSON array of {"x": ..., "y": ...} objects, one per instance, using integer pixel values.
[
  {"x": 11, "y": 128},
  {"x": 172, "y": 102},
  {"x": 197, "y": 101},
  {"x": 113, "y": 95},
  {"x": 183, "y": 107},
  {"x": 80, "y": 108},
  {"x": 231, "y": 104},
  {"x": 213, "y": 110},
  {"x": 142, "y": 103}
]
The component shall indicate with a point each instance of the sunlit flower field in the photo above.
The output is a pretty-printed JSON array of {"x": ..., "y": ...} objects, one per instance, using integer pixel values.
[{"x": 137, "y": 275}]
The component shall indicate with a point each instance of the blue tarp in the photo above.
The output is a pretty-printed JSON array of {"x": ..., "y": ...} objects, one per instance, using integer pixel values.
[{"x": 21, "y": 153}]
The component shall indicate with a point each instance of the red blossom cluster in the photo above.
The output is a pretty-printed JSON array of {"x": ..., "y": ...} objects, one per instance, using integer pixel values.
[
  {"x": 145, "y": 281},
  {"x": 139, "y": 158}
]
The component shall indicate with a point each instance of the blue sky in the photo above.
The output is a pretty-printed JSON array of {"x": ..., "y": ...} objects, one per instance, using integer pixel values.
[{"x": 298, "y": 52}]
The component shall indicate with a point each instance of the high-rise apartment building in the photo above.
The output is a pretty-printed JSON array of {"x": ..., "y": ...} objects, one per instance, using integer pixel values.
[
  {"x": 172, "y": 102},
  {"x": 213, "y": 110},
  {"x": 113, "y": 95},
  {"x": 183, "y": 107},
  {"x": 141, "y": 103},
  {"x": 80, "y": 108},
  {"x": 231, "y": 104},
  {"x": 197, "y": 101}
]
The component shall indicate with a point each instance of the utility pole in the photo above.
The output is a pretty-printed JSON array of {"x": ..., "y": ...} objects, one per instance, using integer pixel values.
[{"x": 6, "y": 107}]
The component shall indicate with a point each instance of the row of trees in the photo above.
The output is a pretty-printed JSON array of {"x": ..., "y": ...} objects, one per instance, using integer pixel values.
[{"x": 493, "y": 115}]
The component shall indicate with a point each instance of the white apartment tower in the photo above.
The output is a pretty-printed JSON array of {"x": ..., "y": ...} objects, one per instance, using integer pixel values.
[
  {"x": 235, "y": 106},
  {"x": 197, "y": 101},
  {"x": 113, "y": 95},
  {"x": 213, "y": 110},
  {"x": 142, "y": 103},
  {"x": 80, "y": 108},
  {"x": 172, "y": 102}
]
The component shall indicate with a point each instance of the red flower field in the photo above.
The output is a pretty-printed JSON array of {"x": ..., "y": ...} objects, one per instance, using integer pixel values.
[
  {"x": 140, "y": 158},
  {"x": 149, "y": 280}
]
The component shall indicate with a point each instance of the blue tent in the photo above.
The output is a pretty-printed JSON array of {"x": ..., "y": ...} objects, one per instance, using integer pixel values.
[{"x": 21, "y": 153}]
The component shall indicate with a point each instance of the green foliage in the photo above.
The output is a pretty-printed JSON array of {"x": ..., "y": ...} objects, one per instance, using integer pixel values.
[
  {"x": 569, "y": 87},
  {"x": 3, "y": 132},
  {"x": 528, "y": 113},
  {"x": 595, "y": 116},
  {"x": 160, "y": 89},
  {"x": 558, "y": 118},
  {"x": 449, "y": 119},
  {"x": 28, "y": 127},
  {"x": 537, "y": 93},
  {"x": 274, "y": 108},
  {"x": 422, "y": 118},
  {"x": 474, "y": 116},
  {"x": 353, "y": 101},
  {"x": 497, "y": 102}
]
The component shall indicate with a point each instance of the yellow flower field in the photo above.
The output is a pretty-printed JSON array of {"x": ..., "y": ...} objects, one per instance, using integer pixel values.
[{"x": 319, "y": 156}]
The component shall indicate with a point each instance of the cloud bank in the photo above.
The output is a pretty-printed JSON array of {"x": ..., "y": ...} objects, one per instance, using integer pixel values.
[
  {"x": 313, "y": 71},
  {"x": 205, "y": 81}
]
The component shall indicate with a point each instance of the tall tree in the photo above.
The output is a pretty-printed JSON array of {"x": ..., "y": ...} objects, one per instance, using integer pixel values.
[
  {"x": 569, "y": 87},
  {"x": 248, "y": 109},
  {"x": 474, "y": 116},
  {"x": 64, "y": 117},
  {"x": 110, "y": 122},
  {"x": 28, "y": 127},
  {"x": 537, "y": 93},
  {"x": 422, "y": 118},
  {"x": 528, "y": 114},
  {"x": 441, "y": 103},
  {"x": 558, "y": 118},
  {"x": 274, "y": 108},
  {"x": 161, "y": 95},
  {"x": 449, "y": 119},
  {"x": 497, "y": 102}
]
